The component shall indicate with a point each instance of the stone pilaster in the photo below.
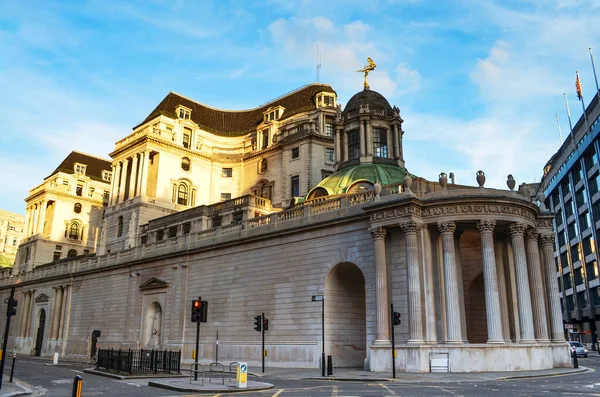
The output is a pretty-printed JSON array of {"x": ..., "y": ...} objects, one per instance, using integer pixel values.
[
  {"x": 23, "y": 322},
  {"x": 29, "y": 311},
  {"x": 410, "y": 230},
  {"x": 381, "y": 294},
  {"x": 556, "y": 318},
  {"x": 114, "y": 195},
  {"x": 363, "y": 144},
  {"x": 133, "y": 176},
  {"x": 63, "y": 312},
  {"x": 492, "y": 296},
  {"x": 540, "y": 321},
  {"x": 123, "y": 182},
  {"x": 453, "y": 308},
  {"x": 517, "y": 231},
  {"x": 56, "y": 308}
]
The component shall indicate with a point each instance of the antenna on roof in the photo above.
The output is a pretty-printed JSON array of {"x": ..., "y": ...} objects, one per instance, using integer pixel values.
[{"x": 318, "y": 60}]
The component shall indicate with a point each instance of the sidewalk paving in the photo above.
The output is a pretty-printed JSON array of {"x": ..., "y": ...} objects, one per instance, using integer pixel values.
[{"x": 13, "y": 389}]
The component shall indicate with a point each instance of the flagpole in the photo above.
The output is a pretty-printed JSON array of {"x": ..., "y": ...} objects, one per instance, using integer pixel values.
[
  {"x": 594, "y": 69},
  {"x": 559, "y": 129},
  {"x": 580, "y": 94},
  {"x": 568, "y": 112}
]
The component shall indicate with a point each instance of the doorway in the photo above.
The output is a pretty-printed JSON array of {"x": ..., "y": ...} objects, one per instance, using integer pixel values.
[
  {"x": 345, "y": 316},
  {"x": 39, "y": 339}
]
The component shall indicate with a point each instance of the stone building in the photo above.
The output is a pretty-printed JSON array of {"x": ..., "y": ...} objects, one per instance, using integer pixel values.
[
  {"x": 470, "y": 269},
  {"x": 63, "y": 213},
  {"x": 11, "y": 233}
]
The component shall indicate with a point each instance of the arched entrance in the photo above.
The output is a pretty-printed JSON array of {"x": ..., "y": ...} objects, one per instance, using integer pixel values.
[
  {"x": 476, "y": 313},
  {"x": 345, "y": 323},
  {"x": 39, "y": 338}
]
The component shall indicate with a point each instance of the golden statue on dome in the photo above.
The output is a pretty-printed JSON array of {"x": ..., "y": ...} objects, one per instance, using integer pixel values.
[{"x": 366, "y": 70}]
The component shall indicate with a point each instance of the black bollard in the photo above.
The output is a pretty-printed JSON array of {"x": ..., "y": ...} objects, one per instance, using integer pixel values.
[
  {"x": 574, "y": 356},
  {"x": 12, "y": 368},
  {"x": 77, "y": 382},
  {"x": 329, "y": 366}
]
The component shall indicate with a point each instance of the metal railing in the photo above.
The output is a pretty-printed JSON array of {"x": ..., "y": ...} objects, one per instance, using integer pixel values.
[
  {"x": 139, "y": 361},
  {"x": 211, "y": 371}
]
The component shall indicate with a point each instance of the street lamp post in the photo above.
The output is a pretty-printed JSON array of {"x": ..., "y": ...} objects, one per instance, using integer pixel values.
[{"x": 317, "y": 298}]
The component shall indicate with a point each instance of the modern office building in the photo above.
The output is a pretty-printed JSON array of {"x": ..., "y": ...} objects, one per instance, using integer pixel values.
[{"x": 571, "y": 185}]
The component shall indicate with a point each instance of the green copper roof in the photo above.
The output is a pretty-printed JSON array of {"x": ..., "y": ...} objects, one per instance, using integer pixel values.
[
  {"x": 5, "y": 262},
  {"x": 339, "y": 182}
]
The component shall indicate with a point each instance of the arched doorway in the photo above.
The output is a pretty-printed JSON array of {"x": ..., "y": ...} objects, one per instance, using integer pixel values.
[
  {"x": 476, "y": 313},
  {"x": 345, "y": 323},
  {"x": 39, "y": 338}
]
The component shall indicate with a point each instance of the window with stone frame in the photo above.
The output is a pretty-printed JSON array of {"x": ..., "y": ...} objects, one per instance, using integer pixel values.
[
  {"x": 265, "y": 139},
  {"x": 329, "y": 155},
  {"x": 184, "y": 114},
  {"x": 225, "y": 196},
  {"x": 182, "y": 194},
  {"x": 74, "y": 231},
  {"x": 187, "y": 133},
  {"x": 71, "y": 253},
  {"x": 56, "y": 256},
  {"x": 380, "y": 144},
  {"x": 328, "y": 128},
  {"x": 226, "y": 172},
  {"x": 353, "y": 144},
  {"x": 295, "y": 152},
  {"x": 295, "y": 186},
  {"x": 185, "y": 164},
  {"x": 80, "y": 169},
  {"x": 79, "y": 189},
  {"x": 77, "y": 208}
]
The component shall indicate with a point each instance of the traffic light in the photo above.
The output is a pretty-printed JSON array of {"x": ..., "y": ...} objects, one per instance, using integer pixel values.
[
  {"x": 257, "y": 323},
  {"x": 12, "y": 307},
  {"x": 266, "y": 324},
  {"x": 397, "y": 318},
  {"x": 196, "y": 310},
  {"x": 203, "y": 311}
]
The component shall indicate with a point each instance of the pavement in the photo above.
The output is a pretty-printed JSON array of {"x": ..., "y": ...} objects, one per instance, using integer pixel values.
[{"x": 257, "y": 380}]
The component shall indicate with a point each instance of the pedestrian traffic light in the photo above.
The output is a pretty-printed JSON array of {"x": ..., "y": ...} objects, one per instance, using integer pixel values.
[
  {"x": 397, "y": 318},
  {"x": 257, "y": 323},
  {"x": 204, "y": 311},
  {"x": 196, "y": 310},
  {"x": 266, "y": 324},
  {"x": 12, "y": 307}
]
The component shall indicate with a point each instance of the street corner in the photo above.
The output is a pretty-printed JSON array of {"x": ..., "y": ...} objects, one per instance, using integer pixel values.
[{"x": 207, "y": 387}]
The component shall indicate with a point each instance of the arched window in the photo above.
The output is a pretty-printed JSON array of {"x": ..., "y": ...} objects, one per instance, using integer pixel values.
[
  {"x": 182, "y": 194},
  {"x": 120, "y": 226},
  {"x": 360, "y": 186},
  {"x": 77, "y": 208},
  {"x": 185, "y": 164},
  {"x": 74, "y": 231},
  {"x": 71, "y": 253}
]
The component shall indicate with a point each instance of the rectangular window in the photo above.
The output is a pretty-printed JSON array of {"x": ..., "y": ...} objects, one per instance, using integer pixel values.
[
  {"x": 595, "y": 296},
  {"x": 581, "y": 197},
  {"x": 86, "y": 252},
  {"x": 353, "y": 144},
  {"x": 572, "y": 231},
  {"x": 184, "y": 114},
  {"x": 558, "y": 218},
  {"x": 581, "y": 300},
  {"x": 56, "y": 256},
  {"x": 238, "y": 216},
  {"x": 569, "y": 209},
  {"x": 328, "y": 129},
  {"x": 590, "y": 158},
  {"x": 564, "y": 187},
  {"x": 225, "y": 196},
  {"x": 567, "y": 281},
  {"x": 579, "y": 276},
  {"x": 295, "y": 184},
  {"x": 172, "y": 231},
  {"x": 570, "y": 303},
  {"x": 380, "y": 148},
  {"x": 216, "y": 222},
  {"x": 577, "y": 174},
  {"x": 589, "y": 246},
  {"x": 265, "y": 139},
  {"x": 186, "y": 228},
  {"x": 584, "y": 221},
  {"x": 226, "y": 172},
  {"x": 295, "y": 152},
  {"x": 327, "y": 100},
  {"x": 564, "y": 260},
  {"x": 186, "y": 140},
  {"x": 58, "y": 247},
  {"x": 79, "y": 189},
  {"x": 92, "y": 190},
  {"x": 561, "y": 239},
  {"x": 574, "y": 254},
  {"x": 593, "y": 184},
  {"x": 329, "y": 156},
  {"x": 144, "y": 239},
  {"x": 106, "y": 176},
  {"x": 160, "y": 234},
  {"x": 591, "y": 270}
]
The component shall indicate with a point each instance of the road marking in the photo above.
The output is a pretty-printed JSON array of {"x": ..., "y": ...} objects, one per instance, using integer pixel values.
[
  {"x": 61, "y": 381},
  {"x": 278, "y": 392},
  {"x": 78, "y": 372},
  {"x": 388, "y": 389}
]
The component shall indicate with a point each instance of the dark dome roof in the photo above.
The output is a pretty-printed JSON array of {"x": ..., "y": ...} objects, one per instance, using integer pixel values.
[{"x": 373, "y": 98}]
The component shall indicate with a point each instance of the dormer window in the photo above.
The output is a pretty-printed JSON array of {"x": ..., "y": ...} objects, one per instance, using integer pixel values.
[
  {"x": 183, "y": 113},
  {"x": 273, "y": 114},
  {"x": 325, "y": 99},
  {"x": 106, "y": 176},
  {"x": 80, "y": 168}
]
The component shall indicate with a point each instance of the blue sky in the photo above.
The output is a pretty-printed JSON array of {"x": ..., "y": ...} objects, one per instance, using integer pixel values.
[{"x": 478, "y": 82}]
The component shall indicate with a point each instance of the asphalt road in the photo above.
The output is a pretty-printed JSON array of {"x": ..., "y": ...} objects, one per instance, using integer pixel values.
[{"x": 56, "y": 381}]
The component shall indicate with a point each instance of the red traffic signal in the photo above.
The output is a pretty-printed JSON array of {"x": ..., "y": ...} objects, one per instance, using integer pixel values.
[{"x": 196, "y": 311}]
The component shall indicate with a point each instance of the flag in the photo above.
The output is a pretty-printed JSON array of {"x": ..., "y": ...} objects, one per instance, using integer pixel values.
[{"x": 578, "y": 88}]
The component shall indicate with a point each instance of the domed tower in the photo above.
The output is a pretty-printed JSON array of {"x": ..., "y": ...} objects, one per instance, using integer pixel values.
[{"x": 368, "y": 146}]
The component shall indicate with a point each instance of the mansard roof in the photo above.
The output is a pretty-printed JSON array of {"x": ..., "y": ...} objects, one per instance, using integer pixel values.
[
  {"x": 94, "y": 165},
  {"x": 238, "y": 122}
]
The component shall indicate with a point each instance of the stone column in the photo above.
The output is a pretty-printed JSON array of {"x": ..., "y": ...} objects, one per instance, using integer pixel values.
[
  {"x": 144, "y": 172},
  {"x": 123, "y": 183},
  {"x": 523, "y": 294},
  {"x": 338, "y": 145},
  {"x": 363, "y": 147},
  {"x": 114, "y": 196},
  {"x": 29, "y": 311},
  {"x": 132, "y": 178},
  {"x": 63, "y": 311},
  {"x": 42, "y": 216},
  {"x": 396, "y": 143},
  {"x": 410, "y": 230},
  {"x": 381, "y": 291},
  {"x": 502, "y": 289},
  {"x": 453, "y": 308},
  {"x": 27, "y": 216},
  {"x": 23, "y": 323},
  {"x": 492, "y": 296},
  {"x": 540, "y": 319},
  {"x": 56, "y": 308},
  {"x": 369, "y": 138},
  {"x": 429, "y": 287},
  {"x": 556, "y": 318},
  {"x": 390, "y": 144}
]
